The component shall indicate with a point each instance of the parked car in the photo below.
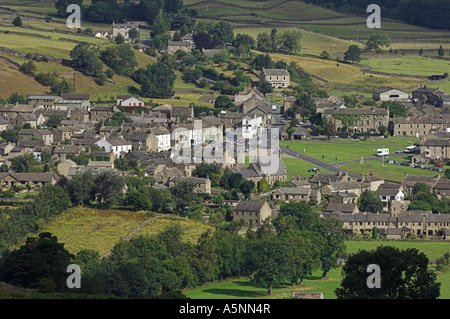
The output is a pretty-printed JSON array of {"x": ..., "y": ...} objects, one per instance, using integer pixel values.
[
  {"x": 355, "y": 137},
  {"x": 437, "y": 165},
  {"x": 314, "y": 169},
  {"x": 399, "y": 151}
]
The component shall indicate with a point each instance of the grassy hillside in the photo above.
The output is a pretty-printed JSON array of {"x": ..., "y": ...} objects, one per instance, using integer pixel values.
[{"x": 86, "y": 228}]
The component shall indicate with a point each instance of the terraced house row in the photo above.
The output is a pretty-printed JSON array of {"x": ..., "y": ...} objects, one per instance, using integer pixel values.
[{"x": 395, "y": 226}]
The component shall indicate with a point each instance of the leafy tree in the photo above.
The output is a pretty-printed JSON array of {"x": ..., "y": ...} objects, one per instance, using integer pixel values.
[
  {"x": 223, "y": 31},
  {"x": 262, "y": 61},
  {"x": 370, "y": 202},
  {"x": 80, "y": 188},
  {"x": 441, "y": 51},
  {"x": 329, "y": 130},
  {"x": 137, "y": 200},
  {"x": 289, "y": 41},
  {"x": 404, "y": 275},
  {"x": 268, "y": 259},
  {"x": 324, "y": 55},
  {"x": 28, "y": 68},
  {"x": 61, "y": 87},
  {"x": 333, "y": 245},
  {"x": 263, "y": 186},
  {"x": 120, "y": 58},
  {"x": 353, "y": 54},
  {"x": 246, "y": 187},
  {"x": 202, "y": 40},
  {"x": 40, "y": 258},
  {"x": 229, "y": 248},
  {"x": 53, "y": 121},
  {"x": 443, "y": 262},
  {"x": 274, "y": 39},
  {"x": 303, "y": 255},
  {"x": 47, "y": 79},
  {"x": 26, "y": 163},
  {"x": 304, "y": 104},
  {"x": 304, "y": 217},
  {"x": 447, "y": 173},
  {"x": 377, "y": 41},
  {"x": 420, "y": 187},
  {"x": 105, "y": 11},
  {"x": 183, "y": 194},
  {"x": 119, "y": 39},
  {"x": 203, "y": 259},
  {"x": 133, "y": 34},
  {"x": 265, "y": 88},
  {"x": 244, "y": 40},
  {"x": 16, "y": 98},
  {"x": 263, "y": 42},
  {"x": 396, "y": 109},
  {"x": 156, "y": 80},
  {"x": 86, "y": 60},
  {"x": 17, "y": 21},
  {"x": 108, "y": 187},
  {"x": 223, "y": 102},
  {"x": 10, "y": 136}
]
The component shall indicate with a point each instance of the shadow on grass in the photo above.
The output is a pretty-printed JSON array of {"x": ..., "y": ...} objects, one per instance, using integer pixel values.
[{"x": 237, "y": 292}]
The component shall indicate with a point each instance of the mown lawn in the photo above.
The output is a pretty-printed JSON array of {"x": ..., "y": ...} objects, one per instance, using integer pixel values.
[
  {"x": 387, "y": 171},
  {"x": 243, "y": 288},
  {"x": 335, "y": 152},
  {"x": 298, "y": 167}
]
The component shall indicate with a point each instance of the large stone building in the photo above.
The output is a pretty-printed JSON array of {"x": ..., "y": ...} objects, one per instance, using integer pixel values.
[
  {"x": 357, "y": 120},
  {"x": 416, "y": 126},
  {"x": 253, "y": 213},
  {"x": 279, "y": 78},
  {"x": 435, "y": 146}
]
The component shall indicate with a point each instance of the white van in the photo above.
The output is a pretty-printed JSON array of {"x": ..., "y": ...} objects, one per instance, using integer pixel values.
[
  {"x": 382, "y": 151},
  {"x": 410, "y": 149}
]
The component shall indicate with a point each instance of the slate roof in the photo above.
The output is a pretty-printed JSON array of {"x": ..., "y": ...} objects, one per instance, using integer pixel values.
[{"x": 249, "y": 206}]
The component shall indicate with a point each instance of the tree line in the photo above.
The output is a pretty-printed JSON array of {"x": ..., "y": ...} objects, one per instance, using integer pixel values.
[
  {"x": 431, "y": 14},
  {"x": 279, "y": 253}
]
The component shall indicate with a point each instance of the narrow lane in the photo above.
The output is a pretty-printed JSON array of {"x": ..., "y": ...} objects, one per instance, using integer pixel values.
[{"x": 317, "y": 163}]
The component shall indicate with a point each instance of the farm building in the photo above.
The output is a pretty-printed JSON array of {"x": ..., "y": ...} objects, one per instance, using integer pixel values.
[{"x": 389, "y": 94}]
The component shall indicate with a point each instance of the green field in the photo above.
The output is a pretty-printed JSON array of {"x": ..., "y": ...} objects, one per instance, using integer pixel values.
[
  {"x": 297, "y": 167},
  {"x": 87, "y": 228},
  {"x": 335, "y": 152},
  {"x": 242, "y": 288},
  {"x": 412, "y": 65},
  {"x": 386, "y": 171}
]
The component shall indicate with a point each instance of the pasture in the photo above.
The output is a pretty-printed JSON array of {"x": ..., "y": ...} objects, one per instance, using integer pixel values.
[
  {"x": 298, "y": 167},
  {"x": 242, "y": 288},
  {"x": 335, "y": 152},
  {"x": 411, "y": 65},
  {"x": 386, "y": 171},
  {"x": 87, "y": 228}
]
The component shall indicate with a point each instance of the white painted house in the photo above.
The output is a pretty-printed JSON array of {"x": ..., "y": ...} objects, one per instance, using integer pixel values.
[
  {"x": 251, "y": 125},
  {"x": 131, "y": 102},
  {"x": 118, "y": 146},
  {"x": 161, "y": 137}
]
